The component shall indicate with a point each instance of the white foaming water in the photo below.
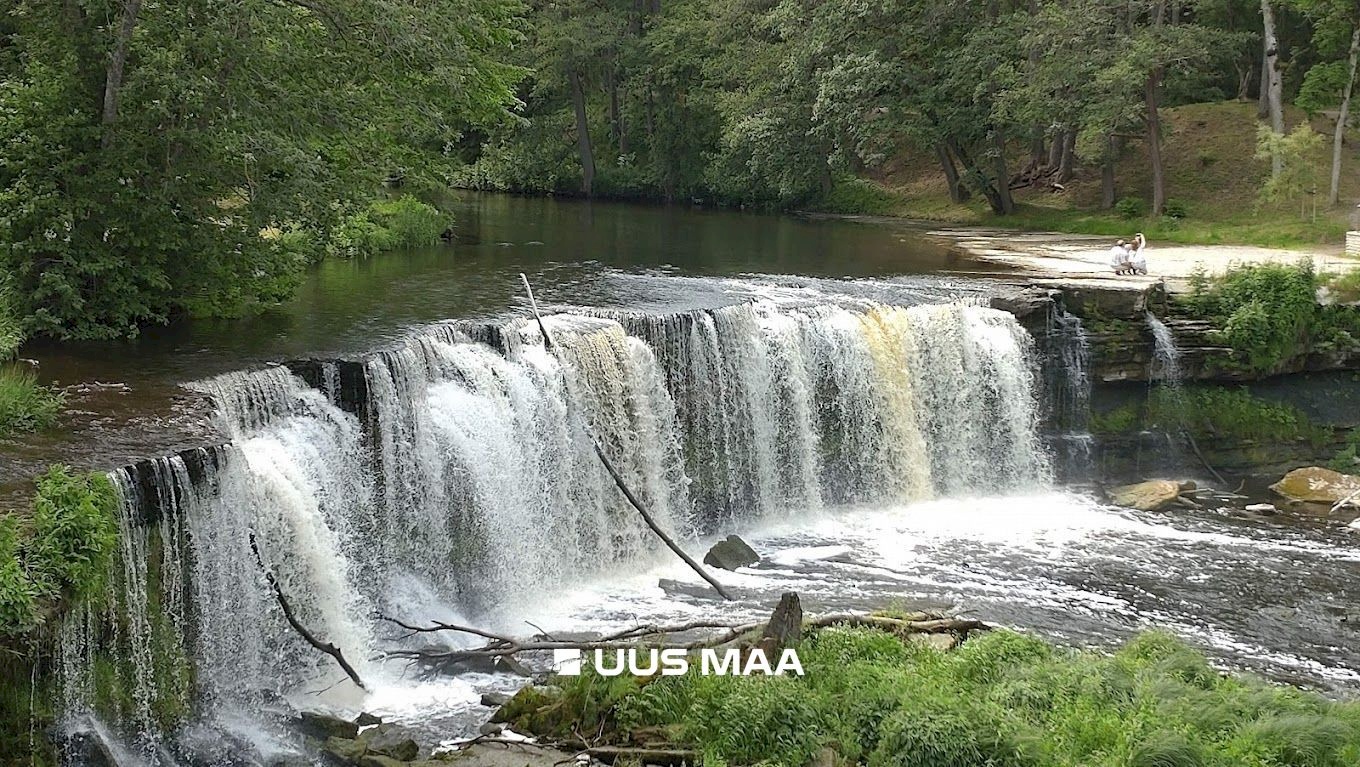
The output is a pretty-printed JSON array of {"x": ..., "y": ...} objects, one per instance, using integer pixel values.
[
  {"x": 469, "y": 492},
  {"x": 1166, "y": 355}
]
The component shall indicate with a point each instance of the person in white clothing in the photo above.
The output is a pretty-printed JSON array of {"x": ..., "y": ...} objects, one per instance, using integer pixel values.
[
  {"x": 1119, "y": 258},
  {"x": 1138, "y": 259}
]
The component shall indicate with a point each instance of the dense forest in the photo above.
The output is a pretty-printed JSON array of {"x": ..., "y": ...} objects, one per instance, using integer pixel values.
[{"x": 192, "y": 158}]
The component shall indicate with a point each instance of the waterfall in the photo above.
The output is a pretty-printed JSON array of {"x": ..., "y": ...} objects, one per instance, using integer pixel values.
[
  {"x": 1166, "y": 356},
  {"x": 1165, "y": 379},
  {"x": 1069, "y": 393},
  {"x": 464, "y": 483}
]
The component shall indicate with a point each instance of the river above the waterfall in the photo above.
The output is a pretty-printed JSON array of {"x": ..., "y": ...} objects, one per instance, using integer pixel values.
[{"x": 126, "y": 401}]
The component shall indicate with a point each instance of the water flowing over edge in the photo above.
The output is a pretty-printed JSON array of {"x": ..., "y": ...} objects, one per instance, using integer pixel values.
[{"x": 453, "y": 477}]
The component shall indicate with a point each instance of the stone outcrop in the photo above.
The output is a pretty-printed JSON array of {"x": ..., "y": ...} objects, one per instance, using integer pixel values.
[
  {"x": 1315, "y": 484},
  {"x": 731, "y": 553}
]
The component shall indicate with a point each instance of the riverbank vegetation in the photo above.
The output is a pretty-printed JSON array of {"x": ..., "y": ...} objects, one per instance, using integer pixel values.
[
  {"x": 1212, "y": 412},
  {"x": 1094, "y": 117},
  {"x": 58, "y": 554},
  {"x": 147, "y": 147},
  {"x": 1269, "y": 314},
  {"x": 1000, "y": 699}
]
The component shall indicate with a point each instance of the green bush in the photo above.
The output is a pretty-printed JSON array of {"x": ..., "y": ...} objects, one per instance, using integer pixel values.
[
  {"x": 1130, "y": 208},
  {"x": 1268, "y": 313},
  {"x": 11, "y": 327},
  {"x": 1000, "y": 700},
  {"x": 1175, "y": 209},
  {"x": 387, "y": 225},
  {"x": 1233, "y": 414},
  {"x": 25, "y": 405},
  {"x": 62, "y": 551},
  {"x": 857, "y": 196}
]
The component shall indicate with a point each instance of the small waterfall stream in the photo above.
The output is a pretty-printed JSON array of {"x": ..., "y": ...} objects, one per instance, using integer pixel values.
[{"x": 1069, "y": 395}]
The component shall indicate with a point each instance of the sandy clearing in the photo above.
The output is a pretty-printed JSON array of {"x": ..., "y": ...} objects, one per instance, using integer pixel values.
[{"x": 1050, "y": 254}]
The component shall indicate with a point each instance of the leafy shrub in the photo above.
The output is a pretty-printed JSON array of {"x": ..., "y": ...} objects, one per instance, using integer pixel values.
[
  {"x": 63, "y": 551},
  {"x": 1130, "y": 208},
  {"x": 1269, "y": 313},
  {"x": 387, "y": 225},
  {"x": 1175, "y": 209},
  {"x": 1000, "y": 700},
  {"x": 11, "y": 328},
  {"x": 25, "y": 405},
  {"x": 1231, "y": 414}
]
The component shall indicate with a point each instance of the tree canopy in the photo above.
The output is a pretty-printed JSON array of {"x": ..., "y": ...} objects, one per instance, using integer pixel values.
[{"x": 144, "y": 146}]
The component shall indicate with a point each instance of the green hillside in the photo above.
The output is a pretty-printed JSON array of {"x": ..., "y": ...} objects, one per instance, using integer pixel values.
[{"x": 1212, "y": 174}]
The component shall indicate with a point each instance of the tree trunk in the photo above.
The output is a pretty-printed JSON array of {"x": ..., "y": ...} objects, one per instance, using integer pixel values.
[
  {"x": 1341, "y": 119},
  {"x": 578, "y": 101},
  {"x": 615, "y": 125},
  {"x": 1274, "y": 85},
  {"x": 1069, "y": 156},
  {"x": 951, "y": 174},
  {"x": 1107, "y": 190},
  {"x": 1055, "y": 150},
  {"x": 1003, "y": 176},
  {"x": 1263, "y": 91},
  {"x": 1154, "y": 141},
  {"x": 113, "y": 80}
]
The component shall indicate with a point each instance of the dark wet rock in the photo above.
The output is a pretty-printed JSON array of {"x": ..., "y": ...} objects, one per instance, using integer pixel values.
[
  {"x": 366, "y": 719},
  {"x": 491, "y": 728},
  {"x": 390, "y": 741},
  {"x": 731, "y": 553},
  {"x": 1025, "y": 302},
  {"x": 323, "y": 726},
  {"x": 345, "y": 750},
  {"x": 495, "y": 699},
  {"x": 87, "y": 748}
]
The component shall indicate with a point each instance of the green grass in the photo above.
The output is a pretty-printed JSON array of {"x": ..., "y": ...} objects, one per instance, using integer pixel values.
[
  {"x": 1000, "y": 700},
  {"x": 25, "y": 405}
]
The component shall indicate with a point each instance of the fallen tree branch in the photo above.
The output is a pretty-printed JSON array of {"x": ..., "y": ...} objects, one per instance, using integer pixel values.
[
  {"x": 618, "y": 478},
  {"x": 643, "y": 636},
  {"x": 302, "y": 631}
]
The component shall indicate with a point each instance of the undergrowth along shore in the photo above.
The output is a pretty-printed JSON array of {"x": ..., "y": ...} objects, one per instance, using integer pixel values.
[{"x": 1001, "y": 699}]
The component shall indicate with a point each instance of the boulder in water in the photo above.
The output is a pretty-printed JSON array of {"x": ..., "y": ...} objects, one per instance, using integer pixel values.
[
  {"x": 1153, "y": 495},
  {"x": 1315, "y": 484},
  {"x": 730, "y": 553},
  {"x": 322, "y": 726},
  {"x": 392, "y": 742},
  {"x": 367, "y": 720}
]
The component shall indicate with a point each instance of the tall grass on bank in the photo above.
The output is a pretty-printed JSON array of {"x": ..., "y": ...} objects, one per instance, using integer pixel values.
[
  {"x": 1000, "y": 700},
  {"x": 25, "y": 405}
]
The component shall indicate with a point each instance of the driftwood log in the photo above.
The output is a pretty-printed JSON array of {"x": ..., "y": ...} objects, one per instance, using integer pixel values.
[
  {"x": 309, "y": 637},
  {"x": 786, "y": 624}
]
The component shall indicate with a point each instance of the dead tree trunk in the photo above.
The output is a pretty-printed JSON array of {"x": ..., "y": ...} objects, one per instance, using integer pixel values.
[
  {"x": 307, "y": 636},
  {"x": 618, "y": 478}
]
